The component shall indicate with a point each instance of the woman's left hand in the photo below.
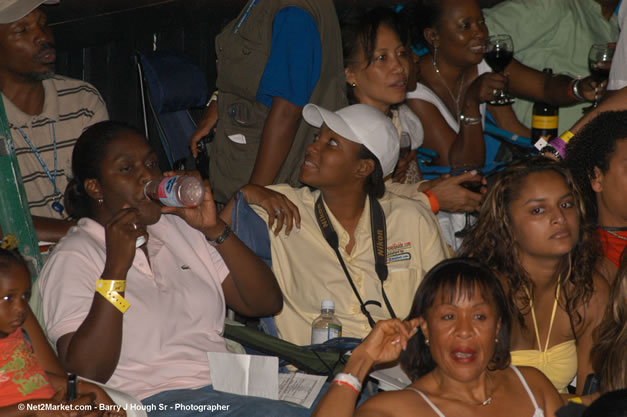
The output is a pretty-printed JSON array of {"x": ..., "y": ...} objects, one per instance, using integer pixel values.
[
  {"x": 278, "y": 207},
  {"x": 590, "y": 89},
  {"x": 388, "y": 338},
  {"x": 203, "y": 217}
]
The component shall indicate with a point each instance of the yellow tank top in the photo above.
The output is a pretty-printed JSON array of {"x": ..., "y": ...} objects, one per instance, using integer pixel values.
[{"x": 558, "y": 363}]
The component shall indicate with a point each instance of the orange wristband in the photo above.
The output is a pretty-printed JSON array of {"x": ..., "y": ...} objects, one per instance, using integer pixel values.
[
  {"x": 433, "y": 201},
  {"x": 346, "y": 384}
]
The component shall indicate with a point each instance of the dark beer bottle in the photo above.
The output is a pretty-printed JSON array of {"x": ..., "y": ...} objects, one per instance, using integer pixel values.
[{"x": 545, "y": 118}]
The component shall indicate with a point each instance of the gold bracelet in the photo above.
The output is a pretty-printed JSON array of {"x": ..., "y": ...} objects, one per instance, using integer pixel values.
[{"x": 110, "y": 290}]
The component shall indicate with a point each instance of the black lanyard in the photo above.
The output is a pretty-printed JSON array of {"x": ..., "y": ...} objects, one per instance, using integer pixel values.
[{"x": 379, "y": 247}]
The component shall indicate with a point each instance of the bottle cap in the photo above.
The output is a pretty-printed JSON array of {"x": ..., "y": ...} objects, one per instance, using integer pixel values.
[{"x": 328, "y": 305}]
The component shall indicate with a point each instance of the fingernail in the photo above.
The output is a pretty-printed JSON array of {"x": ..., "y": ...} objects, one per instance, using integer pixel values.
[{"x": 396, "y": 341}]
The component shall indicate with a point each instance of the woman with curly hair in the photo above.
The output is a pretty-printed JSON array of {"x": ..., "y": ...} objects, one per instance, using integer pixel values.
[
  {"x": 596, "y": 156},
  {"x": 532, "y": 232}
]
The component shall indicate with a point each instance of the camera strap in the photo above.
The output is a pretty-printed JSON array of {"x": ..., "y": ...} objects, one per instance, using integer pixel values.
[{"x": 379, "y": 248}]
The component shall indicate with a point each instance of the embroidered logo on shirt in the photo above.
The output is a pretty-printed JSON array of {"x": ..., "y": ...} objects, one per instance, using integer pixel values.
[{"x": 399, "y": 252}]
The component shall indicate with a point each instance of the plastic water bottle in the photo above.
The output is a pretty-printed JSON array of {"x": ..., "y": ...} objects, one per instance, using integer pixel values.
[
  {"x": 326, "y": 326},
  {"x": 176, "y": 191}
]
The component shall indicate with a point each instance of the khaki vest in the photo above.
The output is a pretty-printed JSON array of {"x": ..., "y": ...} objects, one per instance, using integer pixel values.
[{"x": 242, "y": 58}]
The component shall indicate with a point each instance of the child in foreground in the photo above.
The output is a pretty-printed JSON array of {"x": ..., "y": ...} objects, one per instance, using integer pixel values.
[{"x": 30, "y": 374}]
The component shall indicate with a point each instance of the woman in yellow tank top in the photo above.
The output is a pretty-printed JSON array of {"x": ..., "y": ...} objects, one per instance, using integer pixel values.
[{"x": 532, "y": 231}]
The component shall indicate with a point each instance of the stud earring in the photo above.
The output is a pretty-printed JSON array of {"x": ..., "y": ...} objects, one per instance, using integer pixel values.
[
  {"x": 100, "y": 201},
  {"x": 427, "y": 342},
  {"x": 354, "y": 85},
  {"x": 496, "y": 339}
]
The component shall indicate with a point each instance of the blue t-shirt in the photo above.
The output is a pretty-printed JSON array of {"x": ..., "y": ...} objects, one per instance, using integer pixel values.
[{"x": 293, "y": 68}]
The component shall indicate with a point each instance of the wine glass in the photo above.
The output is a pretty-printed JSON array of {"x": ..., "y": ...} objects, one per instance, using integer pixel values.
[
  {"x": 499, "y": 53},
  {"x": 474, "y": 186},
  {"x": 599, "y": 63}
]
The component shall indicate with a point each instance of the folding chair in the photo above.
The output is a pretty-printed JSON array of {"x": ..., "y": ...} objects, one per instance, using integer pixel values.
[
  {"x": 494, "y": 137},
  {"x": 171, "y": 84}
]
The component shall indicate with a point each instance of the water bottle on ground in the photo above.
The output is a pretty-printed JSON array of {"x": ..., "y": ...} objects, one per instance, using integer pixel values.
[
  {"x": 176, "y": 191},
  {"x": 326, "y": 326}
]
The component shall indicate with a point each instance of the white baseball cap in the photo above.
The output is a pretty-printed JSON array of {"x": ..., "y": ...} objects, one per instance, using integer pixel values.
[
  {"x": 13, "y": 10},
  {"x": 361, "y": 123}
]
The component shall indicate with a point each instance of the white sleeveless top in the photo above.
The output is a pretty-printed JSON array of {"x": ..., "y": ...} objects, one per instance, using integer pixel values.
[
  {"x": 422, "y": 92},
  {"x": 449, "y": 222},
  {"x": 537, "y": 413}
]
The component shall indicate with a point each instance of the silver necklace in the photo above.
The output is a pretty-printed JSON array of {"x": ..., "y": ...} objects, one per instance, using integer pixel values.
[
  {"x": 450, "y": 92},
  {"x": 487, "y": 401}
]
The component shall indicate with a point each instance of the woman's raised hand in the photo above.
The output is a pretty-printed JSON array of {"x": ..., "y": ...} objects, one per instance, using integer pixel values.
[
  {"x": 592, "y": 90},
  {"x": 121, "y": 233},
  {"x": 388, "y": 338},
  {"x": 485, "y": 87},
  {"x": 278, "y": 207},
  {"x": 203, "y": 217}
]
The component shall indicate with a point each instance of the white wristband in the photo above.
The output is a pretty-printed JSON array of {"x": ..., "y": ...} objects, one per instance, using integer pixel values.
[
  {"x": 348, "y": 379},
  {"x": 214, "y": 97}
]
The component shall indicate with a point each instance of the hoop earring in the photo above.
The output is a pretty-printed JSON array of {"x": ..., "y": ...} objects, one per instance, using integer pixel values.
[{"x": 435, "y": 59}]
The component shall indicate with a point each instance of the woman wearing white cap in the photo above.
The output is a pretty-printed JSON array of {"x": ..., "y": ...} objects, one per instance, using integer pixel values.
[{"x": 384, "y": 242}]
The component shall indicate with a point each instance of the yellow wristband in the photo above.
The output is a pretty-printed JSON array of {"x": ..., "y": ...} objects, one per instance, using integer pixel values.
[
  {"x": 567, "y": 136},
  {"x": 576, "y": 400},
  {"x": 110, "y": 289}
]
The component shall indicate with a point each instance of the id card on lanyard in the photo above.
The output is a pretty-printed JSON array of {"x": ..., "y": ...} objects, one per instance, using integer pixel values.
[{"x": 56, "y": 205}]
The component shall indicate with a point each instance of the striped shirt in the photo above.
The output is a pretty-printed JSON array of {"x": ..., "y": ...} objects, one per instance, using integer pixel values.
[{"x": 70, "y": 106}]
